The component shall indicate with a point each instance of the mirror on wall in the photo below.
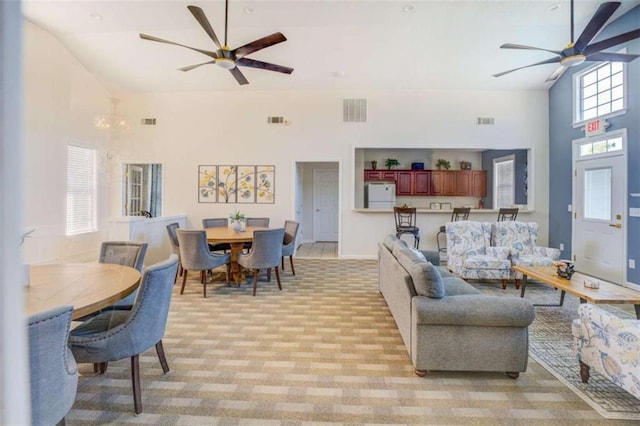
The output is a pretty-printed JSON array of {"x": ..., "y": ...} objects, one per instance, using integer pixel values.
[{"x": 142, "y": 189}]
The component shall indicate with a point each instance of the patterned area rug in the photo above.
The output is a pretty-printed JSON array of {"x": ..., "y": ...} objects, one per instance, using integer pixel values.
[
  {"x": 324, "y": 350},
  {"x": 551, "y": 345}
]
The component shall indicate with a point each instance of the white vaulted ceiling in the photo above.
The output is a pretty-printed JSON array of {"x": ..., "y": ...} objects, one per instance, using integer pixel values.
[{"x": 357, "y": 44}]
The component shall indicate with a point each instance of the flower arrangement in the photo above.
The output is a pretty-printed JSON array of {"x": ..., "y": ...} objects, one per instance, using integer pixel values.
[
  {"x": 236, "y": 216},
  {"x": 564, "y": 268}
]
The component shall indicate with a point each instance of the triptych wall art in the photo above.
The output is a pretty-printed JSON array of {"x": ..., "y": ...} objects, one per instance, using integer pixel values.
[{"x": 236, "y": 184}]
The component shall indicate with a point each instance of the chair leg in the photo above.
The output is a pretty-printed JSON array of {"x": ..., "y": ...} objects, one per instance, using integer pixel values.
[
  {"x": 293, "y": 270},
  {"x": 517, "y": 284},
  {"x": 255, "y": 281},
  {"x": 282, "y": 262},
  {"x": 161, "y": 357},
  {"x": 204, "y": 284},
  {"x": 504, "y": 284},
  {"x": 100, "y": 367},
  {"x": 269, "y": 275},
  {"x": 584, "y": 372},
  {"x": 203, "y": 277},
  {"x": 184, "y": 280},
  {"x": 228, "y": 273},
  {"x": 135, "y": 384},
  {"x": 278, "y": 278}
]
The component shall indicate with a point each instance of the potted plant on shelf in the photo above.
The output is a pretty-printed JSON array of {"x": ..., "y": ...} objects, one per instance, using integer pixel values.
[
  {"x": 237, "y": 221},
  {"x": 443, "y": 164},
  {"x": 391, "y": 162}
]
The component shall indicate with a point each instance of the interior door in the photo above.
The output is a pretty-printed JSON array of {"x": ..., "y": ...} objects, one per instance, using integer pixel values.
[
  {"x": 599, "y": 207},
  {"x": 325, "y": 204}
]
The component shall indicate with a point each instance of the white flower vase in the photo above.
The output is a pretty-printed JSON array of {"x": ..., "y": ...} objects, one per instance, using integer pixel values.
[{"x": 239, "y": 225}]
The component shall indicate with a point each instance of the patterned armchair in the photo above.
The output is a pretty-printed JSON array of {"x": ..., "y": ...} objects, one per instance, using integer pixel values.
[
  {"x": 520, "y": 238},
  {"x": 470, "y": 254},
  {"x": 608, "y": 344}
]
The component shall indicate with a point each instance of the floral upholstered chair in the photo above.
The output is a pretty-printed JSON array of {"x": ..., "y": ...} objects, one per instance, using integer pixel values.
[
  {"x": 608, "y": 344},
  {"x": 470, "y": 254},
  {"x": 520, "y": 238}
]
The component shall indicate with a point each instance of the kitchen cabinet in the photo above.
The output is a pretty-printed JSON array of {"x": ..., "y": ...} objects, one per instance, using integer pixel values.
[
  {"x": 443, "y": 182},
  {"x": 471, "y": 183},
  {"x": 386, "y": 175},
  {"x": 413, "y": 182}
]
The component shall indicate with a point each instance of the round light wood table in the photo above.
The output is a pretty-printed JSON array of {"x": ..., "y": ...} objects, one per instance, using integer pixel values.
[
  {"x": 236, "y": 240},
  {"x": 88, "y": 287}
]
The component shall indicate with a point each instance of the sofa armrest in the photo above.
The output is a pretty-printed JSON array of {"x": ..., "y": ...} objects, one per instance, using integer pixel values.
[
  {"x": 432, "y": 256},
  {"x": 552, "y": 253},
  {"x": 474, "y": 310}
]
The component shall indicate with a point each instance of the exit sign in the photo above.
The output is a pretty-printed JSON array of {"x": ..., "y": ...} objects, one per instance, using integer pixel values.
[{"x": 595, "y": 127}]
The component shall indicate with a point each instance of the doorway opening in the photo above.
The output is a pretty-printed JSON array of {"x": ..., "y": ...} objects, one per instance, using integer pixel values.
[{"x": 317, "y": 207}]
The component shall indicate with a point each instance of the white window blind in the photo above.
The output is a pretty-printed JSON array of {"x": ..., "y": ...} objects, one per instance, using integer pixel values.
[
  {"x": 81, "y": 190},
  {"x": 504, "y": 181}
]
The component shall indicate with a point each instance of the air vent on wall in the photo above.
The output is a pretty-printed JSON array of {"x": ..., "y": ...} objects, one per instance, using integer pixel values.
[
  {"x": 275, "y": 120},
  {"x": 485, "y": 121},
  {"x": 354, "y": 110},
  {"x": 148, "y": 121}
]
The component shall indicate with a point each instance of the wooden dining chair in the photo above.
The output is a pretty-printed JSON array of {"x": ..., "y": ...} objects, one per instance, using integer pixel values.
[
  {"x": 406, "y": 223},
  {"x": 507, "y": 214}
]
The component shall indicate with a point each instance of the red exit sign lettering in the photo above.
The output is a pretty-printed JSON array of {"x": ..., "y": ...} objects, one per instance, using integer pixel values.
[{"x": 595, "y": 127}]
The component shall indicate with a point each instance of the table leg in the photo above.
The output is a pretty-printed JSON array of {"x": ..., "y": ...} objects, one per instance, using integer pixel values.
[
  {"x": 236, "y": 270},
  {"x": 637, "y": 311},
  {"x": 562, "y": 293},
  {"x": 524, "y": 285}
]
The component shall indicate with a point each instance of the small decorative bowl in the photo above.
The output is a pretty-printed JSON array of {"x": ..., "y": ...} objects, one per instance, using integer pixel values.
[{"x": 564, "y": 269}]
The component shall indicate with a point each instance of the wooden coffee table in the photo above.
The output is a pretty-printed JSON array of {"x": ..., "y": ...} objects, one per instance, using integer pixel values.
[{"x": 607, "y": 293}]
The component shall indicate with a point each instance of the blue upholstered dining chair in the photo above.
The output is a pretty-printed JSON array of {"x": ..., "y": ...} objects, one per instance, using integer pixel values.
[
  {"x": 195, "y": 255},
  {"x": 128, "y": 253},
  {"x": 265, "y": 253},
  {"x": 175, "y": 246},
  {"x": 218, "y": 222},
  {"x": 255, "y": 221},
  {"x": 54, "y": 373},
  {"x": 289, "y": 243},
  {"x": 120, "y": 334}
]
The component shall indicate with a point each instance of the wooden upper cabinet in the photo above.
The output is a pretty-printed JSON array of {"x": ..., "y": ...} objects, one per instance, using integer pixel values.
[
  {"x": 479, "y": 183},
  {"x": 404, "y": 182},
  {"x": 387, "y": 175},
  {"x": 443, "y": 182},
  {"x": 471, "y": 183},
  {"x": 422, "y": 182}
]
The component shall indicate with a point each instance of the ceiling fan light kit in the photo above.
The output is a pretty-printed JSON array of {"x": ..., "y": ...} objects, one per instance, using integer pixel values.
[
  {"x": 576, "y": 53},
  {"x": 224, "y": 57}
]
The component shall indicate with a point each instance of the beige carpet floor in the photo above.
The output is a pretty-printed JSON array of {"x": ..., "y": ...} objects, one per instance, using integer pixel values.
[{"x": 324, "y": 350}]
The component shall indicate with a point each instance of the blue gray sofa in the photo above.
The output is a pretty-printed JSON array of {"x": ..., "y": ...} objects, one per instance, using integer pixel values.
[{"x": 446, "y": 323}]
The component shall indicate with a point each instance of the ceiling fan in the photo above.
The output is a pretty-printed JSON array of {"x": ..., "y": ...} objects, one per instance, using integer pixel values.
[
  {"x": 225, "y": 57},
  {"x": 580, "y": 51}
]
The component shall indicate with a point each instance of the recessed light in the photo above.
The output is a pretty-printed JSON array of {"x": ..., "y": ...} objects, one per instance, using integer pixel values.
[
  {"x": 95, "y": 16},
  {"x": 247, "y": 10},
  {"x": 408, "y": 8},
  {"x": 554, "y": 7}
]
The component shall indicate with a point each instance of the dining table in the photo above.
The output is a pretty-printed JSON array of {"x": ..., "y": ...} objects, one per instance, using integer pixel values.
[
  {"x": 88, "y": 287},
  {"x": 236, "y": 239}
]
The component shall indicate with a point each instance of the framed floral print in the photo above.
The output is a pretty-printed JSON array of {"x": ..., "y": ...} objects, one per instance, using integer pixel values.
[{"x": 207, "y": 184}]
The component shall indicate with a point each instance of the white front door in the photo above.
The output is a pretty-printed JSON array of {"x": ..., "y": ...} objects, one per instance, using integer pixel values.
[
  {"x": 325, "y": 205},
  {"x": 599, "y": 206}
]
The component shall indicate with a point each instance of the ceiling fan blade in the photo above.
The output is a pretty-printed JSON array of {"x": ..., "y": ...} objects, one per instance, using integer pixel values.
[
  {"x": 159, "y": 40},
  {"x": 520, "y": 46},
  {"x": 240, "y": 78},
  {"x": 610, "y": 42},
  {"x": 190, "y": 67},
  {"x": 246, "y": 62},
  {"x": 612, "y": 57},
  {"x": 204, "y": 23},
  {"x": 259, "y": 44},
  {"x": 556, "y": 74},
  {"x": 598, "y": 20},
  {"x": 548, "y": 61}
]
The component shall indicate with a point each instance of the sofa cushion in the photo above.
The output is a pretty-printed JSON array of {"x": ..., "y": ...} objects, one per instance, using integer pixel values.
[
  {"x": 397, "y": 246},
  {"x": 485, "y": 262},
  {"x": 454, "y": 286},
  {"x": 426, "y": 278}
]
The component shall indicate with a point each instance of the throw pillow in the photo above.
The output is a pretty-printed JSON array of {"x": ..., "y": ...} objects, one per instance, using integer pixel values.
[
  {"x": 418, "y": 253},
  {"x": 426, "y": 277}
]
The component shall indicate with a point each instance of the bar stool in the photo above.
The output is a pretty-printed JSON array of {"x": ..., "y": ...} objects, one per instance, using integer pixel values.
[
  {"x": 406, "y": 223},
  {"x": 459, "y": 213}
]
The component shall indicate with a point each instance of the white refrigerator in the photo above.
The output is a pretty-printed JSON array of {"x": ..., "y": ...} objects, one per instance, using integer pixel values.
[{"x": 380, "y": 195}]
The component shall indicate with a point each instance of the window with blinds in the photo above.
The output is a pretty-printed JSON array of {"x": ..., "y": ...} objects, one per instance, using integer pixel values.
[
  {"x": 504, "y": 181},
  {"x": 81, "y": 190}
]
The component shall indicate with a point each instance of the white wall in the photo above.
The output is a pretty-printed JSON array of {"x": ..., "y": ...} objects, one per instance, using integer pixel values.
[
  {"x": 61, "y": 102},
  {"x": 231, "y": 128}
]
